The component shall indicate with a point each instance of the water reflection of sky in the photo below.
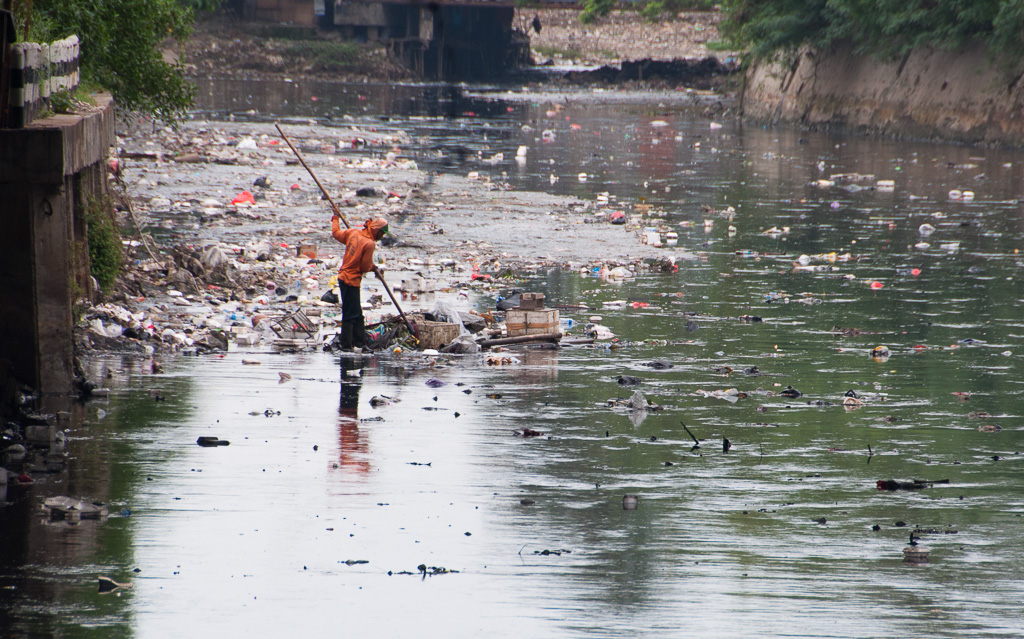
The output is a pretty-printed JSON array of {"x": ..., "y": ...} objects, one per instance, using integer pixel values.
[{"x": 742, "y": 520}]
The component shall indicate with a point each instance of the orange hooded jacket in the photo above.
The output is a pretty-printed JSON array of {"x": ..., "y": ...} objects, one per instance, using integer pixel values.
[{"x": 359, "y": 245}]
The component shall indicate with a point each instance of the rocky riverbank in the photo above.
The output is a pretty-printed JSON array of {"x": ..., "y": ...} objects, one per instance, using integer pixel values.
[{"x": 961, "y": 96}]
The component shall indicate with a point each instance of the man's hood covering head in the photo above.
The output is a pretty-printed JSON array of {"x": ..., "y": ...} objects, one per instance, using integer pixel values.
[{"x": 377, "y": 226}]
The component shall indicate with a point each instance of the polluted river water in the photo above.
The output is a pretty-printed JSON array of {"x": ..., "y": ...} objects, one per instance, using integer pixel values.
[{"x": 391, "y": 495}]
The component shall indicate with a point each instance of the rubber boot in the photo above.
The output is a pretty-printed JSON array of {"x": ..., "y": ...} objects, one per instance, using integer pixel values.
[
  {"x": 347, "y": 333},
  {"x": 359, "y": 333}
]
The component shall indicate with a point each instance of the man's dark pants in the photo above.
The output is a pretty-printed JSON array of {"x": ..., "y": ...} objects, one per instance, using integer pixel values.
[{"x": 353, "y": 331}]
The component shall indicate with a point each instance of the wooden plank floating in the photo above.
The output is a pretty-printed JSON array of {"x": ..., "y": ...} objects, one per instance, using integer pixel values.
[{"x": 521, "y": 339}]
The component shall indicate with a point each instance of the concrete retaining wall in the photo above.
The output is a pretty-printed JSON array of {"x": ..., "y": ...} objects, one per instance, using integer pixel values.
[
  {"x": 48, "y": 171},
  {"x": 961, "y": 96}
]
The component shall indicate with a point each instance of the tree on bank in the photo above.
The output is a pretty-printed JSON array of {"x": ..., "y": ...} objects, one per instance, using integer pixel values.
[
  {"x": 887, "y": 29},
  {"x": 121, "y": 46},
  {"x": 650, "y": 10},
  {"x": 594, "y": 9}
]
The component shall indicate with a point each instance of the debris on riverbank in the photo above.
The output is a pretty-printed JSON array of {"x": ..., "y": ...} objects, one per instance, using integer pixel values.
[
  {"x": 242, "y": 240},
  {"x": 248, "y": 50},
  {"x": 705, "y": 74},
  {"x": 621, "y": 35},
  {"x": 243, "y": 230},
  {"x": 32, "y": 444}
]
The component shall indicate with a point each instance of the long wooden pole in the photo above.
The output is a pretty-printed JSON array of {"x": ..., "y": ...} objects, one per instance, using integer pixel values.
[
  {"x": 341, "y": 216},
  {"x": 327, "y": 195}
]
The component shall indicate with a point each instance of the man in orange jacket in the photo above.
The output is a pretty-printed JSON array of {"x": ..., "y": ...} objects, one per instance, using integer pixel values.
[{"x": 358, "y": 260}]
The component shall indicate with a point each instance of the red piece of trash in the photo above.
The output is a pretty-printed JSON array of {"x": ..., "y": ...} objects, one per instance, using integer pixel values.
[
  {"x": 575, "y": 127},
  {"x": 640, "y": 304},
  {"x": 244, "y": 197},
  {"x": 915, "y": 272},
  {"x": 877, "y": 285},
  {"x": 295, "y": 187},
  {"x": 480, "y": 276}
]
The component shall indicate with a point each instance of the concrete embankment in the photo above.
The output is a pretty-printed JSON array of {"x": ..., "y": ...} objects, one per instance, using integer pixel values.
[
  {"x": 961, "y": 96},
  {"x": 49, "y": 172}
]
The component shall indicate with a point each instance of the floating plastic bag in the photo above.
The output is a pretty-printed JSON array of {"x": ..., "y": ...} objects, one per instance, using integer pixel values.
[
  {"x": 463, "y": 344},
  {"x": 637, "y": 401}
]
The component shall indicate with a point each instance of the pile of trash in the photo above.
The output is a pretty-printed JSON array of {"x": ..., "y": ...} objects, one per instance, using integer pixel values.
[
  {"x": 245, "y": 144},
  {"x": 202, "y": 298},
  {"x": 31, "y": 444},
  {"x": 266, "y": 280},
  {"x": 205, "y": 299}
]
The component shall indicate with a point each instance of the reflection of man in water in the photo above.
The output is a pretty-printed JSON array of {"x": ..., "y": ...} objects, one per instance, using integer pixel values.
[{"x": 353, "y": 445}]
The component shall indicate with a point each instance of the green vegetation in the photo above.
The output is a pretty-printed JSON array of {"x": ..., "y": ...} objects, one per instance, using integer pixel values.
[
  {"x": 121, "y": 46},
  {"x": 594, "y": 9},
  {"x": 551, "y": 52},
  {"x": 201, "y": 5},
  {"x": 85, "y": 90},
  {"x": 887, "y": 29},
  {"x": 325, "y": 55},
  {"x": 62, "y": 102},
  {"x": 651, "y": 10},
  {"x": 573, "y": 54},
  {"x": 65, "y": 101},
  {"x": 285, "y": 32},
  {"x": 656, "y": 10},
  {"x": 105, "y": 251}
]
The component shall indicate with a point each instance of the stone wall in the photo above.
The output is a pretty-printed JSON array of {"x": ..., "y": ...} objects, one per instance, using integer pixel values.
[{"x": 960, "y": 96}]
